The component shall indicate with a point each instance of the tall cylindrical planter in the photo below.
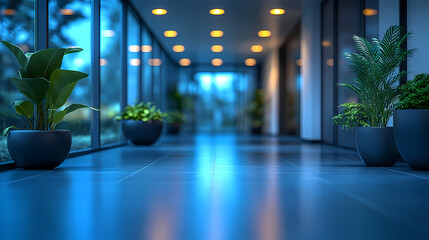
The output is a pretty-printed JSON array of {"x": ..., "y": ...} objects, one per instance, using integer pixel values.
[
  {"x": 39, "y": 149},
  {"x": 142, "y": 133},
  {"x": 173, "y": 128},
  {"x": 412, "y": 136},
  {"x": 376, "y": 146}
]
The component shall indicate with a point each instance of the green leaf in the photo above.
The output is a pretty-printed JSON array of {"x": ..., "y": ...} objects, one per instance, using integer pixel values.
[
  {"x": 72, "y": 50},
  {"x": 8, "y": 129},
  {"x": 62, "y": 86},
  {"x": 44, "y": 62},
  {"x": 24, "y": 108},
  {"x": 59, "y": 115},
  {"x": 33, "y": 88},
  {"x": 19, "y": 54}
]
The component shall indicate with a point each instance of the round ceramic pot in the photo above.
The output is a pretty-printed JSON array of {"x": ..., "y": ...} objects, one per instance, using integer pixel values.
[
  {"x": 39, "y": 149},
  {"x": 173, "y": 128},
  {"x": 412, "y": 136},
  {"x": 376, "y": 146},
  {"x": 142, "y": 133}
]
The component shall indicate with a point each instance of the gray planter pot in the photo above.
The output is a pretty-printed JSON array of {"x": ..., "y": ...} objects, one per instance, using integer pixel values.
[
  {"x": 376, "y": 146},
  {"x": 39, "y": 149},
  {"x": 412, "y": 136},
  {"x": 142, "y": 133}
]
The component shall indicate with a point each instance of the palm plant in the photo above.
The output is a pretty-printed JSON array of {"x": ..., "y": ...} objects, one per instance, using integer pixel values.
[{"x": 376, "y": 76}]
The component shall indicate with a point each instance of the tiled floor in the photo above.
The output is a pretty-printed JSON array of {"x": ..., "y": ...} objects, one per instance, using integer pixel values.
[{"x": 216, "y": 187}]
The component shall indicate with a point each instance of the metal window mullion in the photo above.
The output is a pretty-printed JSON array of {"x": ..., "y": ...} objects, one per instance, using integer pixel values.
[
  {"x": 124, "y": 56},
  {"x": 41, "y": 28},
  {"x": 95, "y": 73}
]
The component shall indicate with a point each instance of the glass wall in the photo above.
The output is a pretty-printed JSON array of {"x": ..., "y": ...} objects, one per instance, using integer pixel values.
[
  {"x": 17, "y": 27},
  {"x": 110, "y": 75},
  {"x": 70, "y": 25},
  {"x": 133, "y": 55}
]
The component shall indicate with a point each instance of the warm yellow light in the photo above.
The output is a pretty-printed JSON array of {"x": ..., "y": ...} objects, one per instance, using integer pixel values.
[
  {"x": 159, "y": 11},
  {"x": 256, "y": 48},
  {"x": 156, "y": 62},
  {"x": 134, "y": 48},
  {"x": 250, "y": 62},
  {"x": 370, "y": 12},
  {"x": 8, "y": 12},
  {"x": 277, "y": 11},
  {"x": 103, "y": 62},
  {"x": 217, "y": 11},
  {"x": 330, "y": 62},
  {"x": 217, "y": 62},
  {"x": 146, "y": 48},
  {"x": 135, "y": 62},
  {"x": 326, "y": 43},
  {"x": 264, "y": 33},
  {"x": 66, "y": 12},
  {"x": 178, "y": 48},
  {"x": 170, "y": 33},
  {"x": 216, "y": 33},
  {"x": 299, "y": 62},
  {"x": 217, "y": 48},
  {"x": 108, "y": 33},
  {"x": 185, "y": 62}
]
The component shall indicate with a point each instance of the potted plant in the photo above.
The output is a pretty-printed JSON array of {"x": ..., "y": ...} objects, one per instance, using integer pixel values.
[
  {"x": 175, "y": 119},
  {"x": 142, "y": 123},
  {"x": 255, "y": 110},
  {"x": 411, "y": 122},
  {"x": 46, "y": 88},
  {"x": 376, "y": 78}
]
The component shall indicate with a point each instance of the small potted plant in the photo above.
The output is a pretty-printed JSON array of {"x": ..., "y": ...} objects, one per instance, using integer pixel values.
[
  {"x": 175, "y": 120},
  {"x": 46, "y": 88},
  {"x": 376, "y": 78},
  {"x": 255, "y": 110},
  {"x": 142, "y": 123},
  {"x": 411, "y": 122}
]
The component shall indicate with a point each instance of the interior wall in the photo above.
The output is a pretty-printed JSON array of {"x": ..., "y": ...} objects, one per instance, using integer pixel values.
[
  {"x": 270, "y": 84},
  {"x": 310, "y": 99}
]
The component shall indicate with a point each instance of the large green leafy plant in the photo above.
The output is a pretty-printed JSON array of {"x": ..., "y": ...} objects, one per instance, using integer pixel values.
[
  {"x": 45, "y": 86},
  {"x": 352, "y": 115},
  {"x": 375, "y": 66},
  {"x": 415, "y": 94},
  {"x": 255, "y": 110},
  {"x": 142, "y": 112},
  {"x": 176, "y": 117}
]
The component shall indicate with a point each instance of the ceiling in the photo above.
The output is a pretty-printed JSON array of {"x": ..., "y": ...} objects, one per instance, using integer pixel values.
[{"x": 240, "y": 23}]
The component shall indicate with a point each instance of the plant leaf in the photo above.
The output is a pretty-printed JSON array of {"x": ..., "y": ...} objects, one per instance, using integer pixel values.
[
  {"x": 72, "y": 50},
  {"x": 19, "y": 54},
  {"x": 44, "y": 62},
  {"x": 24, "y": 108},
  {"x": 33, "y": 88},
  {"x": 62, "y": 85},
  {"x": 59, "y": 115},
  {"x": 8, "y": 129}
]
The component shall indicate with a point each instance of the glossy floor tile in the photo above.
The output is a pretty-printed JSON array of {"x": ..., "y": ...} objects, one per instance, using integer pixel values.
[{"x": 216, "y": 187}]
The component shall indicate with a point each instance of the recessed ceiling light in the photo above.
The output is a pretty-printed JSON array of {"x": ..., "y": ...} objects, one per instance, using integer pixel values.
[
  {"x": 217, "y": 62},
  {"x": 146, "y": 48},
  {"x": 256, "y": 48},
  {"x": 159, "y": 11},
  {"x": 216, "y": 33},
  {"x": 299, "y": 62},
  {"x": 277, "y": 11},
  {"x": 330, "y": 62},
  {"x": 154, "y": 62},
  {"x": 250, "y": 62},
  {"x": 217, "y": 48},
  {"x": 326, "y": 43},
  {"x": 8, "y": 12},
  {"x": 264, "y": 33},
  {"x": 135, "y": 62},
  {"x": 170, "y": 33},
  {"x": 66, "y": 12},
  {"x": 217, "y": 11},
  {"x": 185, "y": 62},
  {"x": 134, "y": 48},
  {"x": 370, "y": 12},
  {"x": 178, "y": 48}
]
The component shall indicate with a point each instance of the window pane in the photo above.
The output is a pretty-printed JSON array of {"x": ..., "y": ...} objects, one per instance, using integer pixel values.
[
  {"x": 147, "y": 69},
  {"x": 17, "y": 27},
  {"x": 70, "y": 25},
  {"x": 156, "y": 68},
  {"x": 134, "y": 61},
  {"x": 111, "y": 75}
]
